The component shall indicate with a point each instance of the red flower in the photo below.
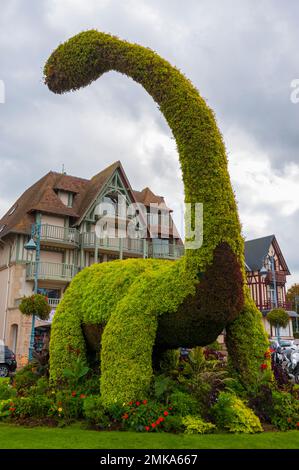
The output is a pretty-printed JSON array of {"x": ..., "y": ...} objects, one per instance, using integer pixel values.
[
  {"x": 130, "y": 403},
  {"x": 137, "y": 403},
  {"x": 264, "y": 366},
  {"x": 74, "y": 394},
  {"x": 147, "y": 428},
  {"x": 125, "y": 416},
  {"x": 166, "y": 413},
  {"x": 158, "y": 421},
  {"x": 12, "y": 409},
  {"x": 289, "y": 420},
  {"x": 297, "y": 425},
  {"x": 144, "y": 402},
  {"x": 170, "y": 408},
  {"x": 82, "y": 395},
  {"x": 161, "y": 419},
  {"x": 153, "y": 425}
]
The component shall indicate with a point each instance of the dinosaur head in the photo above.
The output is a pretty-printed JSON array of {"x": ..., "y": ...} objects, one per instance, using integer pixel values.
[{"x": 77, "y": 62}]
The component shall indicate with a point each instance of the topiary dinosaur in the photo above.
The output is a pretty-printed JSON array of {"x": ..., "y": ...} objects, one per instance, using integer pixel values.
[{"x": 138, "y": 307}]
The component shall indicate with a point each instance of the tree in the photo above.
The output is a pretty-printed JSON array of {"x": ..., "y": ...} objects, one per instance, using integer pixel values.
[{"x": 291, "y": 293}]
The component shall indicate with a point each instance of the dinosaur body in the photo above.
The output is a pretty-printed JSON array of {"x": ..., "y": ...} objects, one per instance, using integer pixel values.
[{"x": 143, "y": 304}]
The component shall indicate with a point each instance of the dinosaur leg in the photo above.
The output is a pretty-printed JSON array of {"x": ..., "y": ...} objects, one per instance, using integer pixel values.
[
  {"x": 247, "y": 342},
  {"x": 66, "y": 344}
]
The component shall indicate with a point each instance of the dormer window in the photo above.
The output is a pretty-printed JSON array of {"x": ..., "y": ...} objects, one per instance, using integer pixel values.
[
  {"x": 70, "y": 199},
  {"x": 67, "y": 197}
]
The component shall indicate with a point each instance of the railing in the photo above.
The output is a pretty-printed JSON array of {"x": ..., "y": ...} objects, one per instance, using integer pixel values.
[
  {"x": 167, "y": 251},
  {"x": 54, "y": 233},
  {"x": 269, "y": 305},
  {"x": 53, "y": 302},
  {"x": 56, "y": 271},
  {"x": 279, "y": 277},
  {"x": 133, "y": 245}
]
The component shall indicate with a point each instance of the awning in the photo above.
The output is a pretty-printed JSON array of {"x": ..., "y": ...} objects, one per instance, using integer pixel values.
[{"x": 292, "y": 314}]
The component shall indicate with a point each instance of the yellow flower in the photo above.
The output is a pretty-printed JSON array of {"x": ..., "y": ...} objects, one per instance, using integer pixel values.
[{"x": 60, "y": 410}]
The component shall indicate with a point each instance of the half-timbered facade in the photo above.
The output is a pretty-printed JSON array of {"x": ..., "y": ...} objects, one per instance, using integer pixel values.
[{"x": 267, "y": 273}]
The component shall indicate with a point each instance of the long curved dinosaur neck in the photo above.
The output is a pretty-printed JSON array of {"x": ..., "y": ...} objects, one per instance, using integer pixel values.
[{"x": 199, "y": 142}]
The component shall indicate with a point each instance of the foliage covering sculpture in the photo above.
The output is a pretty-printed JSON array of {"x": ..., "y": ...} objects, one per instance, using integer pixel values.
[{"x": 144, "y": 306}]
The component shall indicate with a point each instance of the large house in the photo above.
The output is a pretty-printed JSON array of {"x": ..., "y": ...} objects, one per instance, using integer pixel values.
[
  {"x": 65, "y": 208},
  {"x": 267, "y": 273},
  {"x": 68, "y": 211}
]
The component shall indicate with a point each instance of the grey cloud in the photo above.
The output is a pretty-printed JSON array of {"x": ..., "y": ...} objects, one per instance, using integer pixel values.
[{"x": 242, "y": 57}]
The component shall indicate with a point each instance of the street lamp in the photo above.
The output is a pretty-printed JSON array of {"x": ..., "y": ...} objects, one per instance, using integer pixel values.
[
  {"x": 270, "y": 260},
  {"x": 34, "y": 245}
]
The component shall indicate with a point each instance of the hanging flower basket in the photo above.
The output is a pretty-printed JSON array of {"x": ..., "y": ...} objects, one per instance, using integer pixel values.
[{"x": 36, "y": 304}]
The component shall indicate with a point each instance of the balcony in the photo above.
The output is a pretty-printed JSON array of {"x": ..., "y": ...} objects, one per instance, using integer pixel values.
[
  {"x": 51, "y": 271},
  {"x": 133, "y": 246},
  {"x": 280, "y": 278},
  {"x": 59, "y": 236},
  {"x": 129, "y": 245},
  {"x": 269, "y": 305},
  {"x": 53, "y": 302},
  {"x": 165, "y": 251}
]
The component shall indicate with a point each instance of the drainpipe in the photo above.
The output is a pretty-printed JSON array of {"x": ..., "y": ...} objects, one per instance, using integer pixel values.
[{"x": 7, "y": 290}]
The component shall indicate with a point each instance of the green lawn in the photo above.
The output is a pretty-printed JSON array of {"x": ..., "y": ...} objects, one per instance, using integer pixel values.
[{"x": 72, "y": 437}]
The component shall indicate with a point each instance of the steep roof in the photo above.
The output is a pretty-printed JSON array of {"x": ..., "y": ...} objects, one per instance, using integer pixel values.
[
  {"x": 147, "y": 197},
  {"x": 256, "y": 250},
  {"x": 43, "y": 196}
]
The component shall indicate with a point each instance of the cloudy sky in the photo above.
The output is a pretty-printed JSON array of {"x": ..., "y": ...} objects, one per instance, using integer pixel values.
[{"x": 241, "y": 55}]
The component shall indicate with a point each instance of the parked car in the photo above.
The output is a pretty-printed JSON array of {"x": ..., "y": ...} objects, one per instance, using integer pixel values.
[{"x": 8, "y": 362}]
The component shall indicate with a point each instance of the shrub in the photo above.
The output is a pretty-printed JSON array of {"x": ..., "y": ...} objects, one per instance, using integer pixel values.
[
  {"x": 145, "y": 416},
  {"x": 261, "y": 402},
  {"x": 94, "y": 412},
  {"x": 31, "y": 407},
  {"x": 285, "y": 411},
  {"x": 6, "y": 390},
  {"x": 4, "y": 408},
  {"x": 69, "y": 404},
  {"x": 195, "y": 425},
  {"x": 24, "y": 379},
  {"x": 183, "y": 403},
  {"x": 234, "y": 416},
  {"x": 36, "y": 304},
  {"x": 163, "y": 386},
  {"x": 174, "y": 424}
]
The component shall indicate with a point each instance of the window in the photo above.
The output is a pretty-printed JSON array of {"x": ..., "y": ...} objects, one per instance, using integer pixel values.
[
  {"x": 160, "y": 246},
  {"x": 70, "y": 199},
  {"x": 14, "y": 337}
]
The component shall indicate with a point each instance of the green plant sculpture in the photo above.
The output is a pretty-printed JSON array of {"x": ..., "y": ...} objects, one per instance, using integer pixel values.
[{"x": 140, "y": 307}]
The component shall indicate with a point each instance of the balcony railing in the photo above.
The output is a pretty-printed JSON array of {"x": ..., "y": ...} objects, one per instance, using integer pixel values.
[
  {"x": 130, "y": 245},
  {"x": 59, "y": 235},
  {"x": 269, "y": 305},
  {"x": 280, "y": 278},
  {"x": 53, "y": 302},
  {"x": 133, "y": 246},
  {"x": 167, "y": 251},
  {"x": 55, "y": 271}
]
